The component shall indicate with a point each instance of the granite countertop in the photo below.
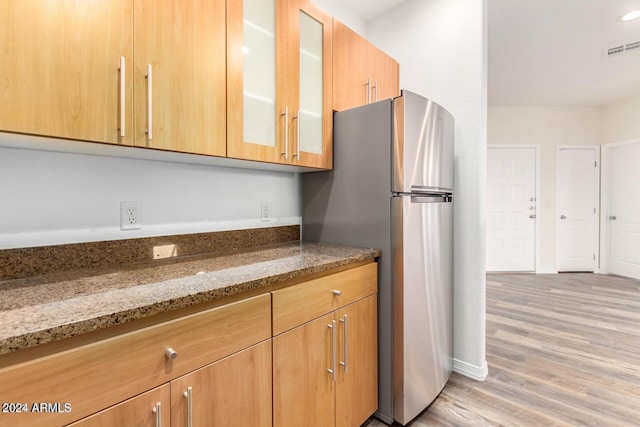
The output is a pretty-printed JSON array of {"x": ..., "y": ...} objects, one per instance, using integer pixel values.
[{"x": 44, "y": 309}]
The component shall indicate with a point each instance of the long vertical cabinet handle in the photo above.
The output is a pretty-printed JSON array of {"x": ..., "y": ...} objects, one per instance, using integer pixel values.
[
  {"x": 297, "y": 119},
  {"x": 189, "y": 395},
  {"x": 375, "y": 91},
  {"x": 332, "y": 370},
  {"x": 286, "y": 132},
  {"x": 158, "y": 411},
  {"x": 149, "y": 102},
  {"x": 345, "y": 341},
  {"x": 123, "y": 104},
  {"x": 368, "y": 86}
]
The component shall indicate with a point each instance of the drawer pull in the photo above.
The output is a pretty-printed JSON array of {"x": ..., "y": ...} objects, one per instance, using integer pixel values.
[
  {"x": 158, "y": 411},
  {"x": 337, "y": 292},
  {"x": 189, "y": 395},
  {"x": 171, "y": 353}
]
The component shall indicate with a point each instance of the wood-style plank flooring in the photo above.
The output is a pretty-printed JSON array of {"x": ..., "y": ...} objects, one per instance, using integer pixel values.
[{"x": 562, "y": 350}]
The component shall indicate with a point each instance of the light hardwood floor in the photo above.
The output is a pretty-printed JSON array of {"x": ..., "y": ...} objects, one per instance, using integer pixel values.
[{"x": 562, "y": 350}]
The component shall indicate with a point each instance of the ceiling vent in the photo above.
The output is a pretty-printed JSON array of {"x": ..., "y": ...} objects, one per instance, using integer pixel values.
[{"x": 623, "y": 48}]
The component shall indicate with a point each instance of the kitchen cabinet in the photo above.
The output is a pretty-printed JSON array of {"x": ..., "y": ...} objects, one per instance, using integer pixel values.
[
  {"x": 279, "y": 82},
  {"x": 325, "y": 350},
  {"x": 179, "y": 75},
  {"x": 235, "y": 391},
  {"x": 73, "y": 69},
  {"x": 96, "y": 375},
  {"x": 362, "y": 72},
  {"x": 61, "y": 72},
  {"x": 150, "y": 409}
]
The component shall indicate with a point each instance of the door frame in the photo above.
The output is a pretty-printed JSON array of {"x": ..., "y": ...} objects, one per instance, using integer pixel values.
[
  {"x": 536, "y": 148},
  {"x": 596, "y": 202},
  {"x": 605, "y": 202}
]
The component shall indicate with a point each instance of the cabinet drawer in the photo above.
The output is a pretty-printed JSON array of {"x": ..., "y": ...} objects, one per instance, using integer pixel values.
[
  {"x": 94, "y": 376},
  {"x": 301, "y": 303}
]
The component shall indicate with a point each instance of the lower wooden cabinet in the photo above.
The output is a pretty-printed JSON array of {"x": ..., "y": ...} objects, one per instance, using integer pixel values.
[
  {"x": 325, "y": 370},
  {"x": 149, "y": 409},
  {"x": 235, "y": 391},
  {"x": 219, "y": 367}
]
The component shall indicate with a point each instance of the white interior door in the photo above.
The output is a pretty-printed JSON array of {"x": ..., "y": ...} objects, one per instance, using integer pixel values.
[
  {"x": 511, "y": 208},
  {"x": 576, "y": 208},
  {"x": 624, "y": 210}
]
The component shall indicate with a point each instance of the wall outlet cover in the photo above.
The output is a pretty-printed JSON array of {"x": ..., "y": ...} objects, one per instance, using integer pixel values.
[{"x": 130, "y": 216}]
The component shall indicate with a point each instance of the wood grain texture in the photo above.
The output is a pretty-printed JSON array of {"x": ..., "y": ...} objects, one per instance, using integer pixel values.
[
  {"x": 235, "y": 391},
  {"x": 562, "y": 350},
  {"x": 297, "y": 304},
  {"x": 95, "y": 376}
]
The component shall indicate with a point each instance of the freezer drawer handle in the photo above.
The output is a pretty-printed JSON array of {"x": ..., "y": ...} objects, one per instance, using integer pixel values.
[{"x": 337, "y": 292}]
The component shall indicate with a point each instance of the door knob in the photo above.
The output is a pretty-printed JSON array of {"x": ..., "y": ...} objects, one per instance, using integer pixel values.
[
  {"x": 612, "y": 217},
  {"x": 532, "y": 216},
  {"x": 563, "y": 217}
]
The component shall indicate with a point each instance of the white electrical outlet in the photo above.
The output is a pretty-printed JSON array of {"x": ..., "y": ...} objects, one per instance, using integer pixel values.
[
  {"x": 265, "y": 211},
  {"x": 130, "y": 216}
]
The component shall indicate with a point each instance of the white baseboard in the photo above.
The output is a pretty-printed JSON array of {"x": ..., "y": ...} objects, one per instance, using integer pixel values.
[
  {"x": 478, "y": 373},
  {"x": 546, "y": 271}
]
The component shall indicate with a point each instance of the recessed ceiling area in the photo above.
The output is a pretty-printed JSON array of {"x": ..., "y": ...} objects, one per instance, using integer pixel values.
[{"x": 552, "y": 52}]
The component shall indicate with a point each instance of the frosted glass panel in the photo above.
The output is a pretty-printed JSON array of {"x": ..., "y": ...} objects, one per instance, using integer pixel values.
[
  {"x": 310, "y": 84},
  {"x": 259, "y": 68}
]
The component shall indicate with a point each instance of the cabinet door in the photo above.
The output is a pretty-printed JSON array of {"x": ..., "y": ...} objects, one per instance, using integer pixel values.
[
  {"x": 312, "y": 32},
  {"x": 149, "y": 409},
  {"x": 256, "y": 120},
  {"x": 303, "y": 387},
  {"x": 351, "y": 85},
  {"x": 180, "y": 84},
  {"x": 357, "y": 376},
  {"x": 384, "y": 75},
  {"x": 60, "y": 68},
  {"x": 235, "y": 391}
]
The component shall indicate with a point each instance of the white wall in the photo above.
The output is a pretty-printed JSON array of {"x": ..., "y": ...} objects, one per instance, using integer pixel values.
[
  {"x": 547, "y": 127},
  {"x": 56, "y": 197},
  {"x": 621, "y": 120},
  {"x": 441, "y": 48},
  {"x": 343, "y": 13}
]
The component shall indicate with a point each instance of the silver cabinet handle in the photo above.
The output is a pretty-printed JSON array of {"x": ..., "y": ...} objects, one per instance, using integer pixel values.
[
  {"x": 332, "y": 370},
  {"x": 123, "y": 104},
  {"x": 345, "y": 349},
  {"x": 563, "y": 217},
  {"x": 189, "y": 395},
  {"x": 368, "y": 86},
  {"x": 286, "y": 132},
  {"x": 170, "y": 353},
  {"x": 297, "y": 118},
  {"x": 158, "y": 411},
  {"x": 375, "y": 91},
  {"x": 613, "y": 217},
  {"x": 149, "y": 103},
  {"x": 337, "y": 292},
  {"x": 532, "y": 216}
]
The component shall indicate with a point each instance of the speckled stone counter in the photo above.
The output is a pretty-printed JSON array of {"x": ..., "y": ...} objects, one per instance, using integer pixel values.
[{"x": 44, "y": 309}]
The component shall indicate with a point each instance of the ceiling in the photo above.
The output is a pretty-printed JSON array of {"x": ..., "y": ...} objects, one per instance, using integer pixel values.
[{"x": 552, "y": 52}]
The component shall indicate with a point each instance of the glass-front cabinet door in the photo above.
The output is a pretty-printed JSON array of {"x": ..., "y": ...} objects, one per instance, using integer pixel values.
[{"x": 279, "y": 82}]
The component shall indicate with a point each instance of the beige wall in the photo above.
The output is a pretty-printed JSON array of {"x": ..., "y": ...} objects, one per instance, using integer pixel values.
[{"x": 546, "y": 127}]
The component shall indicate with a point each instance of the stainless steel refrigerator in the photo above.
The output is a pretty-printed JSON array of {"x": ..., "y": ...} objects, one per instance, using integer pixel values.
[{"x": 391, "y": 188}]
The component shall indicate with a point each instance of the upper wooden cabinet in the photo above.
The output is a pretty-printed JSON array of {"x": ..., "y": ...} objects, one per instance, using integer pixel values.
[
  {"x": 279, "y": 84},
  {"x": 179, "y": 75},
  {"x": 71, "y": 69},
  {"x": 362, "y": 72},
  {"x": 60, "y": 73}
]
